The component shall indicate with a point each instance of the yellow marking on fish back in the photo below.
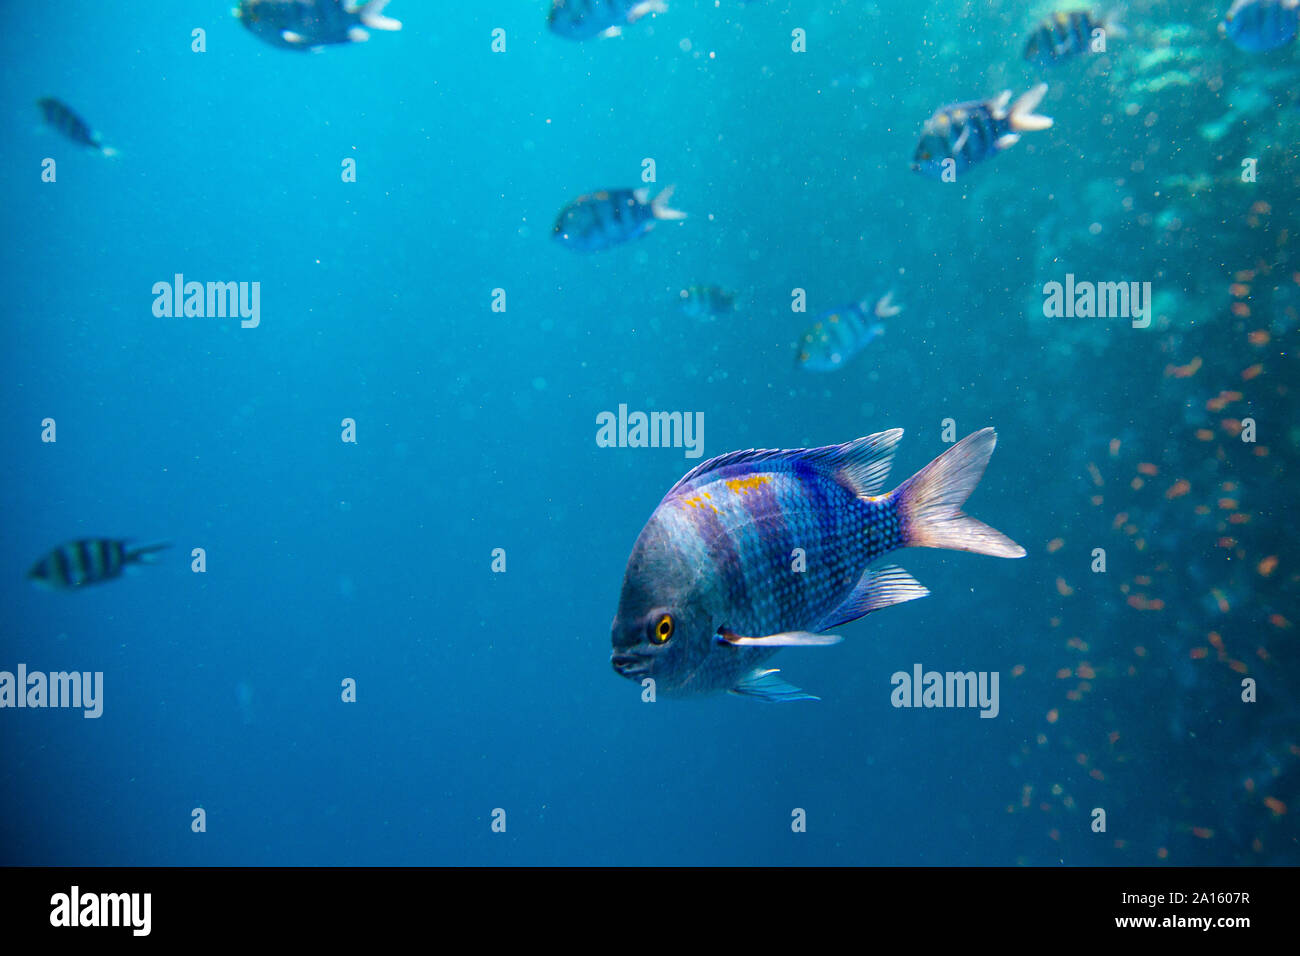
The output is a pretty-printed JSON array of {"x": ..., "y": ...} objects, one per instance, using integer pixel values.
[
  {"x": 743, "y": 486},
  {"x": 697, "y": 503}
]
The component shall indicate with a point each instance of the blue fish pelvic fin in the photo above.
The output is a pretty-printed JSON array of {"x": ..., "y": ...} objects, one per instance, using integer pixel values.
[
  {"x": 784, "y": 639},
  {"x": 883, "y": 587},
  {"x": 763, "y": 684}
]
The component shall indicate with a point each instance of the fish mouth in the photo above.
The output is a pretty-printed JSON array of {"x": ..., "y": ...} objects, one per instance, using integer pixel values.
[{"x": 629, "y": 665}]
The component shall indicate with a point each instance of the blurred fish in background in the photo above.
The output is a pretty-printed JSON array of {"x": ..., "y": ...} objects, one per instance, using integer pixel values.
[
  {"x": 1068, "y": 34},
  {"x": 1257, "y": 26},
  {"x": 971, "y": 132},
  {"x": 313, "y": 24},
  {"x": 586, "y": 19},
  {"x": 707, "y": 301},
  {"x": 60, "y": 116},
  {"x": 88, "y": 561},
  {"x": 610, "y": 217},
  {"x": 841, "y": 333}
]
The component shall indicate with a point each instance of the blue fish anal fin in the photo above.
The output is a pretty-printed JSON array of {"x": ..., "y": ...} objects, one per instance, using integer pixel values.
[
  {"x": 784, "y": 639},
  {"x": 862, "y": 464},
  {"x": 882, "y": 587},
  {"x": 763, "y": 684}
]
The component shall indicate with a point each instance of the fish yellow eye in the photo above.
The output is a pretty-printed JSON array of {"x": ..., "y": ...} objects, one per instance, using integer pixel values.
[{"x": 663, "y": 630}]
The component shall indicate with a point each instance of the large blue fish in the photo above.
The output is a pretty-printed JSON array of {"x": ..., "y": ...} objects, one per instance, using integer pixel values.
[
  {"x": 584, "y": 19},
  {"x": 758, "y": 550},
  {"x": 313, "y": 24},
  {"x": 840, "y": 334},
  {"x": 1261, "y": 25},
  {"x": 610, "y": 217},
  {"x": 969, "y": 133}
]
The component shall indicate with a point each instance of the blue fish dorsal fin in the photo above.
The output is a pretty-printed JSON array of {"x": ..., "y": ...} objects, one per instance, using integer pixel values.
[
  {"x": 764, "y": 685},
  {"x": 862, "y": 464},
  {"x": 883, "y": 587}
]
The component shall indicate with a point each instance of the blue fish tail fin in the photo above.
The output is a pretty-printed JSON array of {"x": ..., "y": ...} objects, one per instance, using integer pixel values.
[
  {"x": 929, "y": 503},
  {"x": 644, "y": 7},
  {"x": 372, "y": 15},
  {"x": 659, "y": 205},
  {"x": 146, "y": 554},
  {"x": 886, "y": 307},
  {"x": 1023, "y": 118}
]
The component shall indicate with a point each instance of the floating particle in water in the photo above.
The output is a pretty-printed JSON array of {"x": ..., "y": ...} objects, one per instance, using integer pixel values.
[
  {"x": 1055, "y": 545},
  {"x": 1267, "y": 565},
  {"x": 1178, "y": 489},
  {"x": 1276, "y": 805}
]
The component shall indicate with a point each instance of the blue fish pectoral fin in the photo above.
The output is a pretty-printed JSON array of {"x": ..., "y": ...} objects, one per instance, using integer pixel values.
[
  {"x": 882, "y": 587},
  {"x": 961, "y": 141},
  {"x": 765, "y": 685},
  {"x": 786, "y": 639}
]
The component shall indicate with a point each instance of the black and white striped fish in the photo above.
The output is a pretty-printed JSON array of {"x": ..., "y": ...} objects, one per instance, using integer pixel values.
[
  {"x": 88, "y": 561},
  {"x": 313, "y": 24},
  {"x": 61, "y": 117},
  {"x": 605, "y": 218},
  {"x": 960, "y": 135},
  {"x": 1070, "y": 33},
  {"x": 585, "y": 19}
]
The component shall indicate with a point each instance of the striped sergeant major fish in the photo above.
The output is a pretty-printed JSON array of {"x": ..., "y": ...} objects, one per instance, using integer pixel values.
[
  {"x": 1067, "y": 34},
  {"x": 61, "y": 117},
  {"x": 584, "y": 19},
  {"x": 1257, "y": 26},
  {"x": 609, "y": 217},
  {"x": 840, "y": 334},
  {"x": 969, "y": 133},
  {"x": 710, "y": 592},
  {"x": 313, "y": 24},
  {"x": 88, "y": 561}
]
